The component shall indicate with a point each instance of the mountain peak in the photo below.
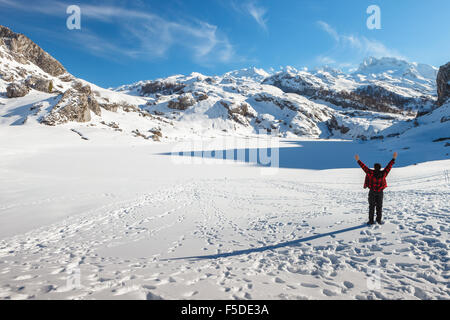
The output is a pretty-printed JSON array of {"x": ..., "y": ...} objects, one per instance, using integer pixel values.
[
  {"x": 397, "y": 67},
  {"x": 250, "y": 73},
  {"x": 22, "y": 48}
]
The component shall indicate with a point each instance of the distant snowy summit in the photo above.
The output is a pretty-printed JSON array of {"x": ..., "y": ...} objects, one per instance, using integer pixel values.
[
  {"x": 248, "y": 73},
  {"x": 397, "y": 68}
]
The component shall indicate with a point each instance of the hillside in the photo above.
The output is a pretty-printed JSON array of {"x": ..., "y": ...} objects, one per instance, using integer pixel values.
[{"x": 380, "y": 100}]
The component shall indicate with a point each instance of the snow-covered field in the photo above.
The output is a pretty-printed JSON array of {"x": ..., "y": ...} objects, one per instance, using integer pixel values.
[{"x": 118, "y": 217}]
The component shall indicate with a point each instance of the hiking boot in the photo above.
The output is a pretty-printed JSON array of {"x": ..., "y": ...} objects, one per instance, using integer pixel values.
[{"x": 370, "y": 223}]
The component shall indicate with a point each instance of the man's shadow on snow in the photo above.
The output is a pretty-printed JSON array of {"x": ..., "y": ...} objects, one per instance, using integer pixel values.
[{"x": 265, "y": 248}]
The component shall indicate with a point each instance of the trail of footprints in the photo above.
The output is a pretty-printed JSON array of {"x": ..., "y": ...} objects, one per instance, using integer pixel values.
[{"x": 36, "y": 265}]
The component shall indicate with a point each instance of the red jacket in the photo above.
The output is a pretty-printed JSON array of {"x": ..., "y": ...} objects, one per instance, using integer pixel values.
[{"x": 372, "y": 182}]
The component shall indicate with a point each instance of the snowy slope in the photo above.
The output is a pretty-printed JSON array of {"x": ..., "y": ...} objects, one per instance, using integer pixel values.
[{"x": 212, "y": 229}]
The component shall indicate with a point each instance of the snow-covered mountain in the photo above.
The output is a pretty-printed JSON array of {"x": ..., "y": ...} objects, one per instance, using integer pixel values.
[
  {"x": 248, "y": 73},
  {"x": 322, "y": 103},
  {"x": 398, "y": 68},
  {"x": 380, "y": 95}
]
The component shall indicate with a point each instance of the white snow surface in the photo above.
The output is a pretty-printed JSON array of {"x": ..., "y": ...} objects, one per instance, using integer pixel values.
[{"x": 131, "y": 220}]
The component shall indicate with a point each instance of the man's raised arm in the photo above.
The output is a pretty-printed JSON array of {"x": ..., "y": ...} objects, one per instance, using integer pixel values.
[
  {"x": 362, "y": 165},
  {"x": 390, "y": 164}
]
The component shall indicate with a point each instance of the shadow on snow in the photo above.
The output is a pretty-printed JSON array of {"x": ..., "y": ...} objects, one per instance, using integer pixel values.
[
  {"x": 272, "y": 247},
  {"x": 313, "y": 155}
]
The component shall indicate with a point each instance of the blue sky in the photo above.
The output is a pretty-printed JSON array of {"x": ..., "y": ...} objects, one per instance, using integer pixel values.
[{"x": 126, "y": 41}]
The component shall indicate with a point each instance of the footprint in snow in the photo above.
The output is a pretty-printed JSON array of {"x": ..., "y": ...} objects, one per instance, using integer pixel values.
[
  {"x": 279, "y": 280},
  {"x": 309, "y": 285},
  {"x": 348, "y": 284},
  {"x": 329, "y": 293}
]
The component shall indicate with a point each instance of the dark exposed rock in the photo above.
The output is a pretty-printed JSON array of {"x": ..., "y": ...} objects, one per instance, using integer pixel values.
[
  {"x": 94, "y": 105},
  {"x": 445, "y": 119},
  {"x": 39, "y": 84},
  {"x": 200, "y": 96},
  {"x": 79, "y": 133},
  {"x": 183, "y": 102},
  {"x": 78, "y": 85},
  {"x": 110, "y": 106},
  {"x": 128, "y": 107},
  {"x": 333, "y": 124},
  {"x": 393, "y": 135},
  {"x": 361, "y": 137},
  {"x": 441, "y": 139},
  {"x": 244, "y": 109},
  {"x": 73, "y": 106},
  {"x": 368, "y": 97},
  {"x": 22, "y": 49},
  {"x": 112, "y": 125},
  {"x": 281, "y": 103},
  {"x": 303, "y": 85},
  {"x": 158, "y": 113},
  {"x": 157, "y": 134},
  {"x": 210, "y": 80},
  {"x": 443, "y": 84},
  {"x": 380, "y": 99},
  {"x": 137, "y": 133},
  {"x": 161, "y": 87},
  {"x": 240, "y": 113},
  {"x": 66, "y": 78},
  {"x": 6, "y": 76},
  {"x": 16, "y": 90}
]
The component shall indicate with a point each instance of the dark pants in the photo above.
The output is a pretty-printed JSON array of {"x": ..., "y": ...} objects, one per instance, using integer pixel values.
[{"x": 375, "y": 201}]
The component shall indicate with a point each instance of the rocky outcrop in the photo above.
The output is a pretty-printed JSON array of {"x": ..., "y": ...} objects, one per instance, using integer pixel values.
[
  {"x": 243, "y": 109},
  {"x": 200, "y": 96},
  {"x": 333, "y": 125},
  {"x": 443, "y": 84},
  {"x": 113, "y": 107},
  {"x": 290, "y": 83},
  {"x": 240, "y": 113},
  {"x": 183, "y": 102},
  {"x": 6, "y": 76},
  {"x": 73, "y": 106},
  {"x": 22, "y": 49},
  {"x": 78, "y": 85},
  {"x": 16, "y": 90},
  {"x": 39, "y": 84},
  {"x": 366, "y": 97},
  {"x": 281, "y": 103},
  {"x": 161, "y": 87}
]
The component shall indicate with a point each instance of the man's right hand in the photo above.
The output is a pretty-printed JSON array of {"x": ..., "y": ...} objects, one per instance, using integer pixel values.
[
  {"x": 356, "y": 157},
  {"x": 395, "y": 155}
]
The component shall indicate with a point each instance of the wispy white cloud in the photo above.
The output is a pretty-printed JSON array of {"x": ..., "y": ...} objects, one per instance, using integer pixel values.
[
  {"x": 50, "y": 7},
  {"x": 251, "y": 8},
  {"x": 353, "y": 46},
  {"x": 141, "y": 34},
  {"x": 325, "y": 60},
  {"x": 258, "y": 13},
  {"x": 330, "y": 30}
]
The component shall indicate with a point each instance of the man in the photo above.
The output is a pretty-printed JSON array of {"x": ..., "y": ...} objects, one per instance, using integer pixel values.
[{"x": 376, "y": 182}]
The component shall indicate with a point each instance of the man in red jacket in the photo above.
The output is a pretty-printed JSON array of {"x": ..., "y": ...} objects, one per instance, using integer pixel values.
[{"x": 376, "y": 182}]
